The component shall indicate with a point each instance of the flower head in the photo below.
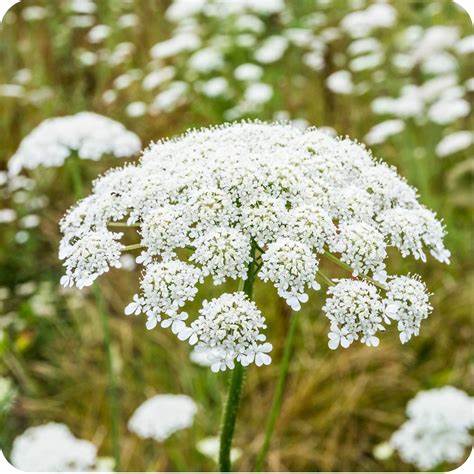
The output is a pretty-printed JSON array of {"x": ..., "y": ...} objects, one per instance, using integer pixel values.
[
  {"x": 355, "y": 311},
  {"x": 52, "y": 447},
  {"x": 163, "y": 415},
  {"x": 260, "y": 201},
  {"x": 88, "y": 134},
  {"x": 437, "y": 429},
  {"x": 230, "y": 325}
]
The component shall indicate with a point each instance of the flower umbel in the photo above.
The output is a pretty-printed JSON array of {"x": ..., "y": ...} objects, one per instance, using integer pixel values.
[{"x": 259, "y": 201}]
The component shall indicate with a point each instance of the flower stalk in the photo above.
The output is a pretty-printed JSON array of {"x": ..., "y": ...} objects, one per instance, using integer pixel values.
[{"x": 231, "y": 404}]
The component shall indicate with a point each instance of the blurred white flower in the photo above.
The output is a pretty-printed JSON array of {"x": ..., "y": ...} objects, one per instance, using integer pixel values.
[
  {"x": 248, "y": 72},
  {"x": 437, "y": 429},
  {"x": 163, "y": 415},
  {"x": 206, "y": 60},
  {"x": 88, "y": 134},
  {"x": 52, "y": 447},
  {"x": 447, "y": 111},
  {"x": 383, "y": 130},
  {"x": 340, "y": 82},
  {"x": 136, "y": 109},
  {"x": 454, "y": 142},
  {"x": 210, "y": 447},
  {"x": 272, "y": 49},
  {"x": 258, "y": 93},
  {"x": 99, "y": 33}
]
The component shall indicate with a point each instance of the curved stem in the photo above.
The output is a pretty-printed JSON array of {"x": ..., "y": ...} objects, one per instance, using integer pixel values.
[
  {"x": 231, "y": 404},
  {"x": 278, "y": 397},
  {"x": 74, "y": 170}
]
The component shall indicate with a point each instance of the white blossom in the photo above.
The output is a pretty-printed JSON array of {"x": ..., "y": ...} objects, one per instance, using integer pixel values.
[
  {"x": 437, "y": 429},
  {"x": 355, "y": 311},
  {"x": 363, "y": 248},
  {"x": 89, "y": 135},
  {"x": 291, "y": 267},
  {"x": 161, "y": 416},
  {"x": 250, "y": 199},
  {"x": 407, "y": 302},
  {"x": 90, "y": 256},
  {"x": 223, "y": 253},
  {"x": 231, "y": 326},
  {"x": 165, "y": 288},
  {"x": 52, "y": 447},
  {"x": 454, "y": 142}
]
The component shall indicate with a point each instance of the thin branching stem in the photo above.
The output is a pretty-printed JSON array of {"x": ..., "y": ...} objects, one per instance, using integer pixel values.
[
  {"x": 325, "y": 278},
  {"x": 133, "y": 247},
  {"x": 122, "y": 224},
  {"x": 347, "y": 267}
]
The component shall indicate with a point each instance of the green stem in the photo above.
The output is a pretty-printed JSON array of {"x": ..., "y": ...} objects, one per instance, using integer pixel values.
[
  {"x": 231, "y": 404},
  {"x": 73, "y": 167},
  {"x": 133, "y": 247},
  {"x": 72, "y": 164},
  {"x": 347, "y": 267},
  {"x": 278, "y": 397},
  {"x": 112, "y": 388},
  {"x": 121, "y": 224},
  {"x": 325, "y": 278}
]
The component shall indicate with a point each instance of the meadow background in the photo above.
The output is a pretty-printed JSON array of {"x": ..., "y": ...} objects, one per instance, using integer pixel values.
[{"x": 338, "y": 404}]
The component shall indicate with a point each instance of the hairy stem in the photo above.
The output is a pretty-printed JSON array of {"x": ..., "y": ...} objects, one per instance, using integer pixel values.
[
  {"x": 73, "y": 166},
  {"x": 231, "y": 404},
  {"x": 278, "y": 397}
]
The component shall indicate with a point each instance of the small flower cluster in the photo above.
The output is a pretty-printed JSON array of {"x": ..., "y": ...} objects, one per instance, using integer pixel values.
[
  {"x": 230, "y": 326},
  {"x": 88, "y": 134},
  {"x": 163, "y": 415},
  {"x": 261, "y": 201},
  {"x": 437, "y": 429},
  {"x": 166, "y": 286},
  {"x": 52, "y": 448},
  {"x": 356, "y": 310}
]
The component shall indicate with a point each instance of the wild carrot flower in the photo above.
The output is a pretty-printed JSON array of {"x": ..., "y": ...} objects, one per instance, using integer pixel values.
[
  {"x": 52, "y": 447},
  {"x": 437, "y": 429},
  {"x": 88, "y": 134},
  {"x": 265, "y": 201},
  {"x": 162, "y": 415}
]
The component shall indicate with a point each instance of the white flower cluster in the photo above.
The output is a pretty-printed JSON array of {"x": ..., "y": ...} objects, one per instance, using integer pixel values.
[
  {"x": 88, "y": 134},
  {"x": 52, "y": 447},
  {"x": 230, "y": 326},
  {"x": 437, "y": 429},
  {"x": 257, "y": 200},
  {"x": 163, "y": 415},
  {"x": 292, "y": 267},
  {"x": 407, "y": 303},
  {"x": 89, "y": 257},
  {"x": 166, "y": 286},
  {"x": 357, "y": 310}
]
